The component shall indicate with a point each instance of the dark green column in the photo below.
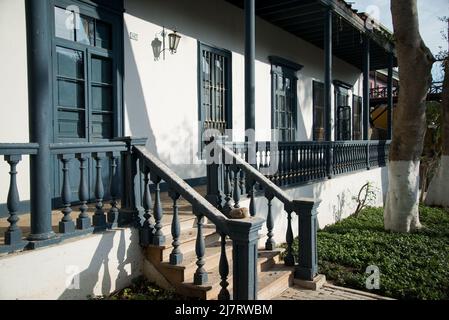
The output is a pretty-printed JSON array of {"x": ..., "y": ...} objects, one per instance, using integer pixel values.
[
  {"x": 250, "y": 57},
  {"x": 390, "y": 97},
  {"x": 366, "y": 88},
  {"x": 40, "y": 115},
  {"x": 328, "y": 87}
]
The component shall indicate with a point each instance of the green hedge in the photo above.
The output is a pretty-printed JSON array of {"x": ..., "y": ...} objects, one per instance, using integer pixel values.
[{"x": 412, "y": 266}]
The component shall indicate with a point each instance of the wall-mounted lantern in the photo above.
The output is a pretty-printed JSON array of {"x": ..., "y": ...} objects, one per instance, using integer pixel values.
[{"x": 159, "y": 46}]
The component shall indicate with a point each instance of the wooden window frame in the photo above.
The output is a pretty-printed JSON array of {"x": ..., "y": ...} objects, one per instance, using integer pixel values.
[
  {"x": 228, "y": 89},
  {"x": 315, "y": 83},
  {"x": 285, "y": 68}
]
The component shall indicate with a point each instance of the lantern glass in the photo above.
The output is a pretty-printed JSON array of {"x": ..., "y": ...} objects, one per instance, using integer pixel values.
[
  {"x": 156, "y": 44},
  {"x": 173, "y": 41}
]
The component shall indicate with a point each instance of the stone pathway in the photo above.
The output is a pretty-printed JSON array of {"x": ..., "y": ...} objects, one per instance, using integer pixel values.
[{"x": 327, "y": 292}]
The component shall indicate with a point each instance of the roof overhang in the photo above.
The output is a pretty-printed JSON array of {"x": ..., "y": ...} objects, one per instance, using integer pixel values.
[{"x": 305, "y": 19}]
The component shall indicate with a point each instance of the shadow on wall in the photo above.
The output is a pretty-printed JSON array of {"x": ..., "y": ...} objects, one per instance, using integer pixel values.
[
  {"x": 103, "y": 257},
  {"x": 135, "y": 105}
]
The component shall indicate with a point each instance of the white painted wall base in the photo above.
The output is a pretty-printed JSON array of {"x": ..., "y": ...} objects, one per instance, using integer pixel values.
[
  {"x": 94, "y": 265},
  {"x": 437, "y": 193},
  {"x": 401, "y": 212}
]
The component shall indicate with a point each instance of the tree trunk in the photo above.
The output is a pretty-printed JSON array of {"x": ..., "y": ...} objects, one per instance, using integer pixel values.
[
  {"x": 415, "y": 63},
  {"x": 437, "y": 192}
]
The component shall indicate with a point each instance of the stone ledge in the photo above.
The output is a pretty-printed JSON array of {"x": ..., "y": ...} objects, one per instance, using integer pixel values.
[{"x": 314, "y": 284}]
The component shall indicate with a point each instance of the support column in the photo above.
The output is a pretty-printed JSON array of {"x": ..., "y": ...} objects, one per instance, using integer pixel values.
[
  {"x": 328, "y": 86},
  {"x": 250, "y": 56},
  {"x": 390, "y": 102},
  {"x": 366, "y": 89},
  {"x": 40, "y": 113}
]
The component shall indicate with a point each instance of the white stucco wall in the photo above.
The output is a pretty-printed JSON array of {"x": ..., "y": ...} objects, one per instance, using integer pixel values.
[
  {"x": 13, "y": 90},
  {"x": 94, "y": 265},
  {"x": 161, "y": 99}
]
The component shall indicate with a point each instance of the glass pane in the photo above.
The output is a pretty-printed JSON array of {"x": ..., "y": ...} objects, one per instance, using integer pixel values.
[
  {"x": 71, "y": 124},
  {"x": 101, "y": 98},
  {"x": 280, "y": 83},
  {"x": 101, "y": 70},
  {"x": 103, "y": 35},
  {"x": 64, "y": 24},
  {"x": 70, "y": 93},
  {"x": 70, "y": 63},
  {"x": 102, "y": 126},
  {"x": 84, "y": 29}
]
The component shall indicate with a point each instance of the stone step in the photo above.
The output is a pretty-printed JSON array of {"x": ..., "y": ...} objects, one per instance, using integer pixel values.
[
  {"x": 210, "y": 291},
  {"x": 186, "y": 270},
  {"x": 157, "y": 254}
]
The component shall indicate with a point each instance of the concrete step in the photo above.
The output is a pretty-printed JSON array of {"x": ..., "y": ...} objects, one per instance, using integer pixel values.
[
  {"x": 186, "y": 270},
  {"x": 157, "y": 254},
  {"x": 210, "y": 291}
]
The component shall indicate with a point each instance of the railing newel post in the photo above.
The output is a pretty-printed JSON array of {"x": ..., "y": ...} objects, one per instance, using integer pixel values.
[{"x": 307, "y": 267}]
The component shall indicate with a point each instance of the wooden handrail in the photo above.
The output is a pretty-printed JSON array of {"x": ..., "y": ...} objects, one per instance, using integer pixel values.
[
  {"x": 18, "y": 148},
  {"x": 261, "y": 179},
  {"x": 197, "y": 201}
]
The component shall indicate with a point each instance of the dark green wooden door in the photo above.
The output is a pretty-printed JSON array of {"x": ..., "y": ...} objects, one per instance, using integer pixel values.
[{"x": 87, "y": 106}]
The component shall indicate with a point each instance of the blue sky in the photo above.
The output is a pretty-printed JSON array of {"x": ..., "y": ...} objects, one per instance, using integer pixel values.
[{"x": 429, "y": 24}]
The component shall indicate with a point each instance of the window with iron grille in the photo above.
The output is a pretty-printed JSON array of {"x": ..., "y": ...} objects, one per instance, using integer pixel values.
[
  {"x": 284, "y": 98},
  {"x": 356, "y": 117},
  {"x": 342, "y": 111},
  {"x": 318, "y": 111},
  {"x": 215, "y": 112}
]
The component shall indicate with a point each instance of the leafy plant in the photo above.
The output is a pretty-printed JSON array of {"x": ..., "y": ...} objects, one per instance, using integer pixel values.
[{"x": 412, "y": 266}]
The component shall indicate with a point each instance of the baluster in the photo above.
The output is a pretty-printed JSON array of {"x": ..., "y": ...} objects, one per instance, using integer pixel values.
[
  {"x": 289, "y": 259},
  {"x": 66, "y": 224},
  {"x": 296, "y": 159},
  {"x": 175, "y": 255},
  {"x": 270, "y": 243},
  {"x": 113, "y": 187},
  {"x": 252, "y": 201},
  {"x": 83, "y": 220},
  {"x": 223, "y": 268},
  {"x": 147, "y": 230},
  {"x": 227, "y": 190},
  {"x": 13, "y": 236},
  {"x": 158, "y": 237},
  {"x": 200, "y": 276},
  {"x": 301, "y": 163},
  {"x": 99, "y": 218},
  {"x": 280, "y": 177},
  {"x": 236, "y": 192},
  {"x": 289, "y": 164},
  {"x": 242, "y": 183}
]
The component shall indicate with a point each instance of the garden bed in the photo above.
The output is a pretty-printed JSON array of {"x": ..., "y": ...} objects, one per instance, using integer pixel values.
[{"x": 412, "y": 266}]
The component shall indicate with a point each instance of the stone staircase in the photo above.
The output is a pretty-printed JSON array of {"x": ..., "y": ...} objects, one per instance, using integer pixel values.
[{"x": 273, "y": 276}]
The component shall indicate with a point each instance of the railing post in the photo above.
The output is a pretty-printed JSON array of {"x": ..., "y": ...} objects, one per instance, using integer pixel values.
[
  {"x": 99, "y": 218},
  {"x": 13, "y": 236},
  {"x": 215, "y": 174},
  {"x": 367, "y": 148},
  {"x": 307, "y": 267},
  {"x": 244, "y": 235},
  {"x": 66, "y": 225},
  {"x": 131, "y": 204},
  {"x": 329, "y": 159},
  {"x": 113, "y": 213}
]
